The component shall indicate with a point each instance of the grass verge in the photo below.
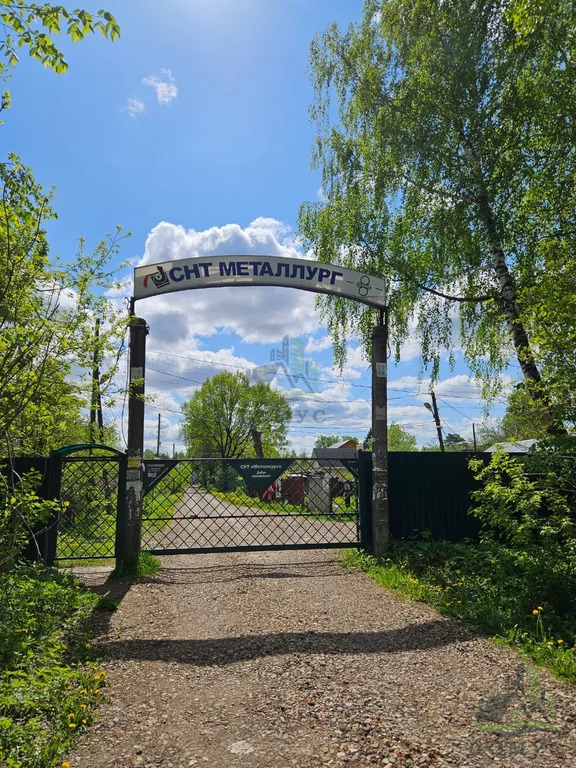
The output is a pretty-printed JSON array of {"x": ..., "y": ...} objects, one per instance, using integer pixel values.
[
  {"x": 486, "y": 585},
  {"x": 147, "y": 565},
  {"x": 244, "y": 500},
  {"x": 50, "y": 685}
]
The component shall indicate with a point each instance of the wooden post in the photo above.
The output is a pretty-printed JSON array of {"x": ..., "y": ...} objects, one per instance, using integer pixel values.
[
  {"x": 380, "y": 520},
  {"x": 128, "y": 548}
]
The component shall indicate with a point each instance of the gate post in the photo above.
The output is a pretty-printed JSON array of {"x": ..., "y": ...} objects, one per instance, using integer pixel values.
[
  {"x": 380, "y": 521},
  {"x": 365, "y": 498},
  {"x": 130, "y": 518}
]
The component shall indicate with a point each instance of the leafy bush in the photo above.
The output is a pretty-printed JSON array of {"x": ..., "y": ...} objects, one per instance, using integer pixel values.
[
  {"x": 49, "y": 686},
  {"x": 529, "y": 505},
  {"x": 21, "y": 511}
]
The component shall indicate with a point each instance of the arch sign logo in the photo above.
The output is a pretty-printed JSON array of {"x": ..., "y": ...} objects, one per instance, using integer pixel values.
[{"x": 219, "y": 271}]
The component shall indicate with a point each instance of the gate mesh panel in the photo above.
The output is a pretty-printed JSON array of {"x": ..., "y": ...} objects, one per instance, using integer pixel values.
[
  {"x": 87, "y": 522},
  {"x": 206, "y": 505}
]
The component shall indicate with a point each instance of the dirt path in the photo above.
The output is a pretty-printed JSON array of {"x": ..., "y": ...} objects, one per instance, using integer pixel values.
[
  {"x": 203, "y": 520},
  {"x": 273, "y": 660}
]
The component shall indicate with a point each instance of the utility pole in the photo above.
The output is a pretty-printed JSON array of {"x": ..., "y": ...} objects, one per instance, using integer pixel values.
[
  {"x": 130, "y": 522},
  {"x": 158, "y": 443},
  {"x": 474, "y": 436},
  {"x": 434, "y": 410},
  {"x": 96, "y": 400},
  {"x": 380, "y": 513}
]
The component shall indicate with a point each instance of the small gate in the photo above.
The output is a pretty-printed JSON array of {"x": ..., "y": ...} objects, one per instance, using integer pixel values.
[
  {"x": 91, "y": 479},
  {"x": 236, "y": 505}
]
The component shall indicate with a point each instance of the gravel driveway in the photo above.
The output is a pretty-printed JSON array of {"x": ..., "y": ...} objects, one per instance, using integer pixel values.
[
  {"x": 202, "y": 520},
  {"x": 276, "y": 659}
]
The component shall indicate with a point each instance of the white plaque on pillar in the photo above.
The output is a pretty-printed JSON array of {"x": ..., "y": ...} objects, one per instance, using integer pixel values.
[{"x": 381, "y": 370}]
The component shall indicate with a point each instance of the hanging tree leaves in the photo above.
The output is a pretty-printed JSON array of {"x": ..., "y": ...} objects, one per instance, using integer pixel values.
[{"x": 446, "y": 142}]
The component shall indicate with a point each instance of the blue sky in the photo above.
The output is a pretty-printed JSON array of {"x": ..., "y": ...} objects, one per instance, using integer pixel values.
[{"x": 192, "y": 132}]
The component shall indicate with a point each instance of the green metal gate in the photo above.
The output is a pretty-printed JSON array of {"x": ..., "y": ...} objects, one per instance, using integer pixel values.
[
  {"x": 236, "y": 505},
  {"x": 91, "y": 482}
]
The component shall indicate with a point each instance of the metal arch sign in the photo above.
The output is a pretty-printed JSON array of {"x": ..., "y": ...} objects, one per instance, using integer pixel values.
[{"x": 220, "y": 271}]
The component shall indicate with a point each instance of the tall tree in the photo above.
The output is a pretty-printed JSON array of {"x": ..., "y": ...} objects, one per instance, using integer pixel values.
[
  {"x": 400, "y": 439},
  {"x": 219, "y": 418},
  {"x": 447, "y": 145},
  {"x": 47, "y": 310}
]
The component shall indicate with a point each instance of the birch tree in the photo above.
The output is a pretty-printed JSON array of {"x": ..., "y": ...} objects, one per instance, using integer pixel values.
[{"x": 446, "y": 143}]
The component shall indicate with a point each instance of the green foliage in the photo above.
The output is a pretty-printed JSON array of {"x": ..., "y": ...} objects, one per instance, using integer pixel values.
[
  {"x": 446, "y": 146},
  {"x": 490, "y": 586},
  {"x": 47, "y": 312},
  {"x": 221, "y": 415},
  {"x": 528, "y": 502},
  {"x": 400, "y": 440},
  {"x": 49, "y": 688},
  {"x": 325, "y": 441},
  {"x": 33, "y": 26},
  {"x": 147, "y": 565},
  {"x": 20, "y": 512}
]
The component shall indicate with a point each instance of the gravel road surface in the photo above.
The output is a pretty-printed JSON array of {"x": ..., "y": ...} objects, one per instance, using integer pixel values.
[
  {"x": 203, "y": 520},
  {"x": 281, "y": 659}
]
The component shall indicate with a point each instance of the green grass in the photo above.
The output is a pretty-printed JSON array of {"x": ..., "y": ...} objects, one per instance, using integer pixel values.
[
  {"x": 147, "y": 565},
  {"x": 95, "y": 540},
  {"x": 242, "y": 499},
  {"x": 49, "y": 682},
  {"x": 495, "y": 589}
]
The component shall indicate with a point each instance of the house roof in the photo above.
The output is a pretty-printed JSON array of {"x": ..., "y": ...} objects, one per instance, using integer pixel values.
[
  {"x": 516, "y": 446},
  {"x": 339, "y": 445}
]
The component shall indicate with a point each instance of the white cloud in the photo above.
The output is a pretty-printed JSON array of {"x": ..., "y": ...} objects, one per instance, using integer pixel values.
[
  {"x": 317, "y": 345},
  {"x": 256, "y": 313},
  {"x": 135, "y": 107},
  {"x": 164, "y": 85}
]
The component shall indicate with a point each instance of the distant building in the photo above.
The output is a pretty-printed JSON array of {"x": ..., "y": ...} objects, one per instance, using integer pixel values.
[
  {"x": 345, "y": 450},
  {"x": 516, "y": 446}
]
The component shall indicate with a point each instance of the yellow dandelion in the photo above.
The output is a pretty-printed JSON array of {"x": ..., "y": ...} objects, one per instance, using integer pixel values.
[
  {"x": 88, "y": 645},
  {"x": 535, "y": 613},
  {"x": 540, "y": 608},
  {"x": 550, "y": 642},
  {"x": 96, "y": 690},
  {"x": 71, "y": 716},
  {"x": 83, "y": 690},
  {"x": 560, "y": 641},
  {"x": 82, "y": 706},
  {"x": 84, "y": 722},
  {"x": 71, "y": 725},
  {"x": 65, "y": 764}
]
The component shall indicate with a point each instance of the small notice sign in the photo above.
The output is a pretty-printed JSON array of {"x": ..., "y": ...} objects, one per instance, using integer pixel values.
[
  {"x": 381, "y": 370},
  {"x": 155, "y": 470},
  {"x": 260, "y": 473}
]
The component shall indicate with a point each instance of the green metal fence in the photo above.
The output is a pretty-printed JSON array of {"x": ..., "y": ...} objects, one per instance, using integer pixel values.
[{"x": 429, "y": 495}]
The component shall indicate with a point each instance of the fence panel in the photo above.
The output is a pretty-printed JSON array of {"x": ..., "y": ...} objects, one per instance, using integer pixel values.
[
  {"x": 87, "y": 522},
  {"x": 210, "y": 505},
  {"x": 429, "y": 495}
]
